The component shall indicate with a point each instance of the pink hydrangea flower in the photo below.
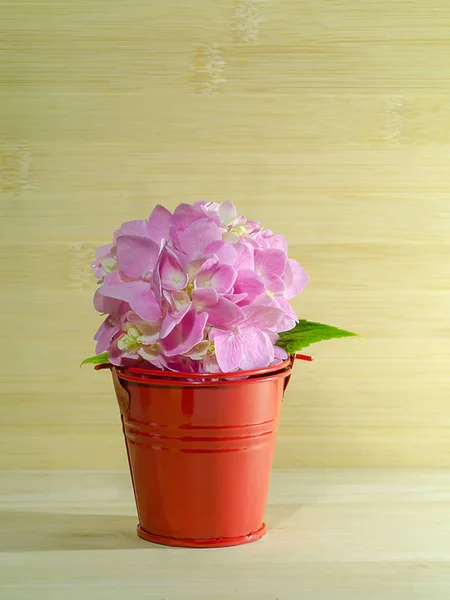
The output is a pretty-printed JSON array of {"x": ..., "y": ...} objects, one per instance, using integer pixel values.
[{"x": 200, "y": 290}]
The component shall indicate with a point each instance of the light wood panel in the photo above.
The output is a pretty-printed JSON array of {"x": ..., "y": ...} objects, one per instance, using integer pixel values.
[
  {"x": 326, "y": 120},
  {"x": 344, "y": 534}
]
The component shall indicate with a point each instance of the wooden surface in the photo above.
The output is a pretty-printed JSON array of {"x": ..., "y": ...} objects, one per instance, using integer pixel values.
[
  {"x": 333, "y": 535},
  {"x": 327, "y": 120}
]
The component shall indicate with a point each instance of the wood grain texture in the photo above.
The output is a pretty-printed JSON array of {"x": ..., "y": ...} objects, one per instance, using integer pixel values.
[
  {"x": 333, "y": 534},
  {"x": 327, "y": 120}
]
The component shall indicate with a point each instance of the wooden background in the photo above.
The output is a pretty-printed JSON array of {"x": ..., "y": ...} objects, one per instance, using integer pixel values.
[{"x": 329, "y": 121}]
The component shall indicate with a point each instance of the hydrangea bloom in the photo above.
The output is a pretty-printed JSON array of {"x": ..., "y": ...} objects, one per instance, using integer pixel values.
[{"x": 199, "y": 290}]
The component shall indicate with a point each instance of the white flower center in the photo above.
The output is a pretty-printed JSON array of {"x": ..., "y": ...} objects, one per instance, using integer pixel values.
[{"x": 130, "y": 341}]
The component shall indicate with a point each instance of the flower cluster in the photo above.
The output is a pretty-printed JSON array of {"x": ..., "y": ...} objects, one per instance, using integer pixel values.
[{"x": 199, "y": 290}]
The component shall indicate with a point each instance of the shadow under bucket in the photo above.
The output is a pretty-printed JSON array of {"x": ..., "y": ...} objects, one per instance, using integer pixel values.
[{"x": 200, "y": 450}]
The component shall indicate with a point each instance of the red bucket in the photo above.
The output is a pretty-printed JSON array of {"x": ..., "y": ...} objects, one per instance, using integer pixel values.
[{"x": 200, "y": 450}]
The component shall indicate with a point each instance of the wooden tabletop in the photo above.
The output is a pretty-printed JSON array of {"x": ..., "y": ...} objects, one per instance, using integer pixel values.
[{"x": 333, "y": 534}]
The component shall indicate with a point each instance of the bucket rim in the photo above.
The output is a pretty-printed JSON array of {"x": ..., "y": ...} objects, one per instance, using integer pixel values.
[
  {"x": 140, "y": 374},
  {"x": 218, "y": 382}
]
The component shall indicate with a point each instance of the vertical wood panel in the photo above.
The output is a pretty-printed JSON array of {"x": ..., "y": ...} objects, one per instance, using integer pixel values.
[{"x": 326, "y": 120}]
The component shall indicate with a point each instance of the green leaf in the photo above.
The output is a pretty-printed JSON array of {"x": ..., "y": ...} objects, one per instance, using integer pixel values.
[
  {"x": 306, "y": 333},
  {"x": 100, "y": 359}
]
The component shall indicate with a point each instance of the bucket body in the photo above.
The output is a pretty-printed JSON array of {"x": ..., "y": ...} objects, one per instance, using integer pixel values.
[{"x": 200, "y": 453}]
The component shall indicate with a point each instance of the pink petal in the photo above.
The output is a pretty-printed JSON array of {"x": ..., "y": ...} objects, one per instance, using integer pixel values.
[
  {"x": 266, "y": 233},
  {"x": 258, "y": 350},
  {"x": 198, "y": 236},
  {"x": 136, "y": 257},
  {"x": 168, "y": 324},
  {"x": 223, "y": 279},
  {"x": 253, "y": 242},
  {"x": 286, "y": 308},
  {"x": 235, "y": 298},
  {"x": 139, "y": 296},
  {"x": 186, "y": 334},
  {"x": 279, "y": 354},
  {"x": 229, "y": 352},
  {"x": 158, "y": 224},
  {"x": 227, "y": 212},
  {"x": 205, "y": 297},
  {"x": 246, "y": 257},
  {"x": 205, "y": 273},
  {"x": 199, "y": 351},
  {"x": 172, "y": 273},
  {"x": 124, "y": 290},
  {"x": 145, "y": 305},
  {"x": 133, "y": 228},
  {"x": 221, "y": 312},
  {"x": 182, "y": 258},
  {"x": 113, "y": 277},
  {"x": 105, "y": 333},
  {"x": 272, "y": 335},
  {"x": 249, "y": 283},
  {"x": 219, "y": 277},
  {"x": 193, "y": 267},
  {"x": 295, "y": 278},
  {"x": 104, "y": 251},
  {"x": 207, "y": 206},
  {"x": 266, "y": 240},
  {"x": 240, "y": 221},
  {"x": 224, "y": 314},
  {"x": 214, "y": 333},
  {"x": 262, "y": 238},
  {"x": 270, "y": 262},
  {"x": 253, "y": 226},
  {"x": 278, "y": 242},
  {"x": 225, "y": 252},
  {"x": 210, "y": 364},
  {"x": 180, "y": 303},
  {"x": 153, "y": 355},
  {"x": 286, "y": 324},
  {"x": 106, "y": 305},
  {"x": 290, "y": 317},
  {"x": 210, "y": 210},
  {"x": 119, "y": 358},
  {"x": 266, "y": 300},
  {"x": 186, "y": 214},
  {"x": 206, "y": 268},
  {"x": 274, "y": 283},
  {"x": 264, "y": 317},
  {"x": 156, "y": 283}
]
